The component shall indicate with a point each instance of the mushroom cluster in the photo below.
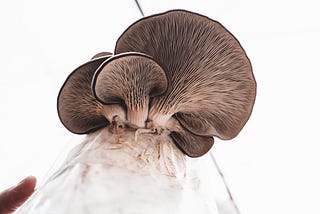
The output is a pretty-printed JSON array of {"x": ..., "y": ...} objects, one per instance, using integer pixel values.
[{"x": 176, "y": 73}]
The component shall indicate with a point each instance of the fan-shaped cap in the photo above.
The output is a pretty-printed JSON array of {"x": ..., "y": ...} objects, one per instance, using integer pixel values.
[
  {"x": 78, "y": 109},
  {"x": 211, "y": 85},
  {"x": 130, "y": 80}
]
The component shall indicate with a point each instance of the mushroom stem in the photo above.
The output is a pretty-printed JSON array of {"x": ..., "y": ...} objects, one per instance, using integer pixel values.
[{"x": 138, "y": 116}]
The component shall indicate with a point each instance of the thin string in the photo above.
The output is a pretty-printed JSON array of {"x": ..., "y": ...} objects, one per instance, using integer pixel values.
[
  {"x": 225, "y": 183},
  {"x": 139, "y": 7}
]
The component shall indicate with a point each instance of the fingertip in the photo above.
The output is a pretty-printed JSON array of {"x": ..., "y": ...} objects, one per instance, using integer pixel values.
[
  {"x": 27, "y": 185},
  {"x": 14, "y": 197},
  {"x": 30, "y": 180}
]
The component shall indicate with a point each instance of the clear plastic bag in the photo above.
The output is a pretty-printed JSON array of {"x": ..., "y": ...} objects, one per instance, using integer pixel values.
[{"x": 129, "y": 172}]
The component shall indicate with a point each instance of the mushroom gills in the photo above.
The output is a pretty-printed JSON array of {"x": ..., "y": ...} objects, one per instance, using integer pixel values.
[
  {"x": 78, "y": 109},
  {"x": 130, "y": 80},
  {"x": 211, "y": 85}
]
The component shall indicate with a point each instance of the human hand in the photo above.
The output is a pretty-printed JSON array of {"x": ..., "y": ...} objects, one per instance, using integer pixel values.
[{"x": 14, "y": 197}]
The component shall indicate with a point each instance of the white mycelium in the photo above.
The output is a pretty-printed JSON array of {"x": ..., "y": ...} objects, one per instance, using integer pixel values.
[{"x": 123, "y": 170}]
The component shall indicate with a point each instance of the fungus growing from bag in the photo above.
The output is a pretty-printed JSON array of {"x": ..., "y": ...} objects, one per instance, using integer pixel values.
[{"x": 176, "y": 73}]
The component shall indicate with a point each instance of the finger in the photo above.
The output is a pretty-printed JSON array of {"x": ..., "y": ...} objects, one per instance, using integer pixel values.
[{"x": 14, "y": 197}]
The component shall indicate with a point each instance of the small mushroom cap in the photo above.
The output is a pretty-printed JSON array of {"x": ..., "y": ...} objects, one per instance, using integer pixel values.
[
  {"x": 130, "y": 80},
  {"x": 189, "y": 143},
  {"x": 78, "y": 109},
  {"x": 211, "y": 85}
]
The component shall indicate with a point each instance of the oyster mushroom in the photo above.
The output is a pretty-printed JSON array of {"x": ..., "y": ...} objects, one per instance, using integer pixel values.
[
  {"x": 176, "y": 71},
  {"x": 78, "y": 109},
  {"x": 211, "y": 85},
  {"x": 130, "y": 80}
]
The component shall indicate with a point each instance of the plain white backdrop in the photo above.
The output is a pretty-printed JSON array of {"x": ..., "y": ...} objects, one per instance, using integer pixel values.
[{"x": 272, "y": 166}]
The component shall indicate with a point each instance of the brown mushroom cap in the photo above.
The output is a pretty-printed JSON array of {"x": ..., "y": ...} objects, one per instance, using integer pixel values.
[
  {"x": 211, "y": 85},
  {"x": 189, "y": 143},
  {"x": 130, "y": 80},
  {"x": 78, "y": 109}
]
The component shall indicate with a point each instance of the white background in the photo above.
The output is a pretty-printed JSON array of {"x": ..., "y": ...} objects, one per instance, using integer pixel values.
[{"x": 271, "y": 167}]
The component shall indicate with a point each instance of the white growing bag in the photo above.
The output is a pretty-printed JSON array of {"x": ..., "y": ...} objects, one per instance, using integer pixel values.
[{"x": 109, "y": 173}]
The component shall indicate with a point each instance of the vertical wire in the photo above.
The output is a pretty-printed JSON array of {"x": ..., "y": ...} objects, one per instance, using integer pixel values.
[
  {"x": 139, "y": 7},
  {"x": 225, "y": 183}
]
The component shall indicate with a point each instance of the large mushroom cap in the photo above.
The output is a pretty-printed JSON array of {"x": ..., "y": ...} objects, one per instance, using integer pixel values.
[
  {"x": 211, "y": 85},
  {"x": 78, "y": 109}
]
